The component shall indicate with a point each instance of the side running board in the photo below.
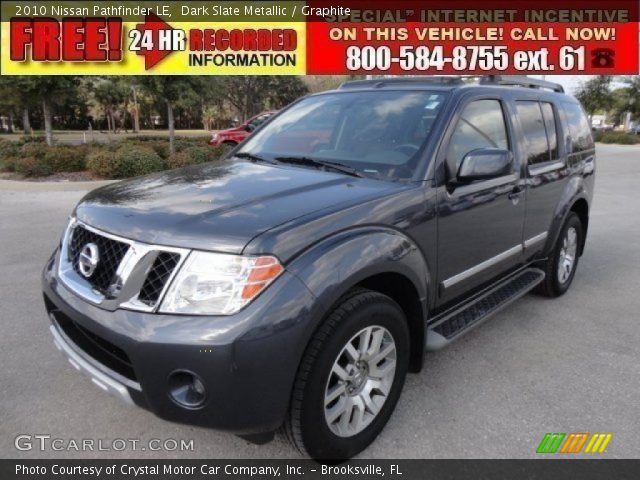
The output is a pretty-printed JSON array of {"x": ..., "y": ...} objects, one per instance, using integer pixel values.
[{"x": 452, "y": 325}]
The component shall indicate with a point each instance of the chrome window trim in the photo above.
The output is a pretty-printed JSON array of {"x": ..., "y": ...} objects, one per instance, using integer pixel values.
[
  {"x": 132, "y": 271},
  {"x": 546, "y": 167}
]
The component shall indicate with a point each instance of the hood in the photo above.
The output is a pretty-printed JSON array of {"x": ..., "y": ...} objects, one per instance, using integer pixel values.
[{"x": 221, "y": 206}]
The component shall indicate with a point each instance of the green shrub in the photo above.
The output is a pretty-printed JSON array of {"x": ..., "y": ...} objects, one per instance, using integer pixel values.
[
  {"x": 8, "y": 149},
  {"x": 179, "y": 160},
  {"x": 128, "y": 161},
  {"x": 146, "y": 138},
  {"x": 32, "y": 167},
  {"x": 49, "y": 159},
  {"x": 33, "y": 149},
  {"x": 161, "y": 147},
  {"x": 204, "y": 154},
  {"x": 31, "y": 139},
  {"x": 623, "y": 138},
  {"x": 182, "y": 144},
  {"x": 111, "y": 146},
  {"x": 66, "y": 158},
  {"x": 102, "y": 163},
  {"x": 8, "y": 164},
  {"x": 134, "y": 161},
  {"x": 194, "y": 156}
]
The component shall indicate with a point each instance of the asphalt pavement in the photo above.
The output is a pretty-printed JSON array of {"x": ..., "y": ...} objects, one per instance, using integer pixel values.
[{"x": 566, "y": 365}]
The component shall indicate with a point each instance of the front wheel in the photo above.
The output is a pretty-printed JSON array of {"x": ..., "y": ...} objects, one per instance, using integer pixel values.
[
  {"x": 561, "y": 266},
  {"x": 350, "y": 378}
]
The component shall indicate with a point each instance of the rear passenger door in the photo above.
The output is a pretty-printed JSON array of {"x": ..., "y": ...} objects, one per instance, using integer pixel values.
[
  {"x": 479, "y": 223},
  {"x": 545, "y": 166}
]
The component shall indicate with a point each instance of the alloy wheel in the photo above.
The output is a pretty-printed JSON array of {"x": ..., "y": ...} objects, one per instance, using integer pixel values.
[
  {"x": 568, "y": 251},
  {"x": 360, "y": 381}
]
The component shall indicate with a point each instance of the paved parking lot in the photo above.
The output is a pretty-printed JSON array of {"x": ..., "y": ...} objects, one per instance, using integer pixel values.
[{"x": 565, "y": 365}]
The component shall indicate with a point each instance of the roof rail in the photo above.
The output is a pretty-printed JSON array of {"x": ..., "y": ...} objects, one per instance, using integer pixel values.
[
  {"x": 520, "y": 81},
  {"x": 457, "y": 80},
  {"x": 381, "y": 82}
]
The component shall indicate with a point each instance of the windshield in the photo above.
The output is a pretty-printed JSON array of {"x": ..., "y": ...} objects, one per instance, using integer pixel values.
[{"x": 376, "y": 133}]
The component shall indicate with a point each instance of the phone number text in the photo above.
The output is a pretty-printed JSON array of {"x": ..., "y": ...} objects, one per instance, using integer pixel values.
[{"x": 463, "y": 58}]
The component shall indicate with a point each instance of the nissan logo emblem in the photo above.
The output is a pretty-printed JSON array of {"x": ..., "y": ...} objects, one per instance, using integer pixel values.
[{"x": 89, "y": 258}]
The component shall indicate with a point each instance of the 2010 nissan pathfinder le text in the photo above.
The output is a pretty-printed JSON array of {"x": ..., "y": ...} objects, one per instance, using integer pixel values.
[{"x": 293, "y": 284}]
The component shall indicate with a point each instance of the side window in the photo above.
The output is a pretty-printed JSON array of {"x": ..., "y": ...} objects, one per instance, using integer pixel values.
[
  {"x": 256, "y": 122},
  {"x": 552, "y": 131},
  {"x": 535, "y": 134},
  {"x": 578, "y": 127},
  {"x": 481, "y": 125}
]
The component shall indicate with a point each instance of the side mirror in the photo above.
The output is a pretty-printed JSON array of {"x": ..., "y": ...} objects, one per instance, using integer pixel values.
[
  {"x": 485, "y": 163},
  {"x": 249, "y": 128}
]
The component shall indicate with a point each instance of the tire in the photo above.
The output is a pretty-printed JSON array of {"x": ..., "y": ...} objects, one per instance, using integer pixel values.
[
  {"x": 555, "y": 283},
  {"x": 307, "y": 426}
]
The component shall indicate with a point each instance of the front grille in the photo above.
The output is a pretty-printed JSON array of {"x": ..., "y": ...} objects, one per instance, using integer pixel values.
[
  {"x": 96, "y": 347},
  {"x": 111, "y": 254},
  {"x": 160, "y": 272}
]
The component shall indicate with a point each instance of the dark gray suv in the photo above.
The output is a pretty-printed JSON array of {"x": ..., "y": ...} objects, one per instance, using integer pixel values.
[{"x": 293, "y": 284}]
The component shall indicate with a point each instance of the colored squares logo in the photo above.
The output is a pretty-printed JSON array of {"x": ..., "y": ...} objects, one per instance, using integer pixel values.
[
  {"x": 598, "y": 443},
  {"x": 574, "y": 443}
]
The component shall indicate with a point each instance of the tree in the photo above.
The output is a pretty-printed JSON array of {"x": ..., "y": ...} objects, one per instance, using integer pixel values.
[
  {"x": 50, "y": 91},
  {"x": 112, "y": 93},
  {"x": 595, "y": 95},
  {"x": 134, "y": 86},
  {"x": 633, "y": 94},
  {"x": 251, "y": 94},
  {"x": 16, "y": 96},
  {"x": 283, "y": 90},
  {"x": 8, "y": 100},
  {"x": 170, "y": 90},
  {"x": 246, "y": 93},
  {"x": 321, "y": 83}
]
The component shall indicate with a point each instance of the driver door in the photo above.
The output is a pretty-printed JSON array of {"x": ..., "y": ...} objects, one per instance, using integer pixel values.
[{"x": 480, "y": 223}]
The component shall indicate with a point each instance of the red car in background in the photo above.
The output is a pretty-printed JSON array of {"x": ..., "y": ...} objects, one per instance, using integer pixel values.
[{"x": 233, "y": 136}]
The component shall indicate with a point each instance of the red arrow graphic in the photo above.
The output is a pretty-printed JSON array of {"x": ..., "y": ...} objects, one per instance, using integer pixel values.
[{"x": 154, "y": 24}]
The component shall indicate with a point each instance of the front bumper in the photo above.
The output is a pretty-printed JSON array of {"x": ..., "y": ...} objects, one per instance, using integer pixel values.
[
  {"x": 84, "y": 365},
  {"x": 246, "y": 361}
]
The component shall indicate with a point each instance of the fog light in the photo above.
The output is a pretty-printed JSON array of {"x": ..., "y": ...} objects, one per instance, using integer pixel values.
[{"x": 187, "y": 389}]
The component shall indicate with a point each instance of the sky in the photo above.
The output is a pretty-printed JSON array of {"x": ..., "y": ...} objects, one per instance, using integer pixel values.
[{"x": 571, "y": 82}]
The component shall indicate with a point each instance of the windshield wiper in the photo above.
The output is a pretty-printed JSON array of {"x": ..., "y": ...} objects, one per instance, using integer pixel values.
[
  {"x": 321, "y": 164},
  {"x": 253, "y": 157}
]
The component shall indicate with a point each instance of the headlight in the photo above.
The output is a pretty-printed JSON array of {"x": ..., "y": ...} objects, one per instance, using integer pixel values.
[
  {"x": 214, "y": 137},
  {"x": 219, "y": 284}
]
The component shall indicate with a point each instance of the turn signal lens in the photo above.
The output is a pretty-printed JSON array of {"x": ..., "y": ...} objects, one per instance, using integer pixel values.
[{"x": 264, "y": 271}]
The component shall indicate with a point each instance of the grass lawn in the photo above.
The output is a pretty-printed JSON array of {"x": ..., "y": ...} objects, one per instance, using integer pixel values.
[{"x": 76, "y": 137}]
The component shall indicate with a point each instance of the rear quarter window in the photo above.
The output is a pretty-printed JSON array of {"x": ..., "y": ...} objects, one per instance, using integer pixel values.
[
  {"x": 579, "y": 129},
  {"x": 534, "y": 130}
]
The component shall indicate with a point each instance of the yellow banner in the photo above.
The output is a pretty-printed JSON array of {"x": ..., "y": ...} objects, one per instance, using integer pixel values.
[{"x": 147, "y": 38}]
